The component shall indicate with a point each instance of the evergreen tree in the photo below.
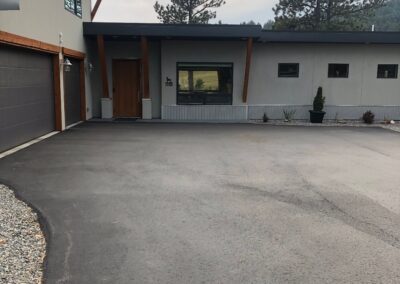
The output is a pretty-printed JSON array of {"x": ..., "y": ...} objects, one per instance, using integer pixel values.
[
  {"x": 325, "y": 14},
  {"x": 188, "y": 11}
]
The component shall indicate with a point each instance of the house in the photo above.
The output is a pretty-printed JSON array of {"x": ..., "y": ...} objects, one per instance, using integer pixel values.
[{"x": 58, "y": 68}]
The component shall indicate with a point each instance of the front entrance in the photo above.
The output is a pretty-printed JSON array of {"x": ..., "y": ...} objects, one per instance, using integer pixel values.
[{"x": 126, "y": 88}]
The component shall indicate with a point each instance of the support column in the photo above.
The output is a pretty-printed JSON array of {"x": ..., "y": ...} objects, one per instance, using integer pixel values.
[
  {"x": 146, "y": 100},
  {"x": 249, "y": 56},
  {"x": 106, "y": 102}
]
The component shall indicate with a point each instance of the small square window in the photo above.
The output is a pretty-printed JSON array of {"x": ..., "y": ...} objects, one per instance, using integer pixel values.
[
  {"x": 338, "y": 71},
  {"x": 387, "y": 71},
  {"x": 288, "y": 70}
]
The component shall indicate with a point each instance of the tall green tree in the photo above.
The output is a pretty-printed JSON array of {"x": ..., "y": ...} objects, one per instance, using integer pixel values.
[
  {"x": 325, "y": 14},
  {"x": 188, "y": 11},
  {"x": 387, "y": 18}
]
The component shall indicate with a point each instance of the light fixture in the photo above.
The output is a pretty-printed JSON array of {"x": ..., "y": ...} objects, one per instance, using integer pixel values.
[
  {"x": 67, "y": 65},
  {"x": 90, "y": 67}
]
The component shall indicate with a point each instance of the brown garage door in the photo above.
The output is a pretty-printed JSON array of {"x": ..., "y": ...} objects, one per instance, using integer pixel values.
[{"x": 26, "y": 96}]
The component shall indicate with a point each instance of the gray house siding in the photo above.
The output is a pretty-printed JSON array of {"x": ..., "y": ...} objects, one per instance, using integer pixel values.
[{"x": 346, "y": 98}]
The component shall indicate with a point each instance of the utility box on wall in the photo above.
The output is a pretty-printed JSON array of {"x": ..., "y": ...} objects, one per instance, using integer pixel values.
[{"x": 106, "y": 108}]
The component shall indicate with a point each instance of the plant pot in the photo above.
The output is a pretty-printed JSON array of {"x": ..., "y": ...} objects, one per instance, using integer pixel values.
[{"x": 317, "y": 116}]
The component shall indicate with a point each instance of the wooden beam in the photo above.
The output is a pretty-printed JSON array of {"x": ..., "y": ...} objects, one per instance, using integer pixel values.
[
  {"x": 82, "y": 89},
  {"x": 16, "y": 40},
  {"x": 103, "y": 65},
  {"x": 95, "y": 8},
  {"x": 73, "y": 53},
  {"x": 249, "y": 56},
  {"x": 145, "y": 66},
  {"x": 57, "y": 92}
]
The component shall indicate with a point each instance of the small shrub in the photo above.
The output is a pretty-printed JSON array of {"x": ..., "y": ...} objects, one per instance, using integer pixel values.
[
  {"x": 319, "y": 101},
  {"x": 289, "y": 114},
  {"x": 368, "y": 117},
  {"x": 265, "y": 118}
]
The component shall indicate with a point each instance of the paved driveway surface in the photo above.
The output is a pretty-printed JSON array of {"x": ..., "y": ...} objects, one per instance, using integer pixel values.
[{"x": 193, "y": 203}]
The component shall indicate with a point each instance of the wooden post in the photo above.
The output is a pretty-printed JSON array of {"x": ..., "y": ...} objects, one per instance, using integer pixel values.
[
  {"x": 247, "y": 70},
  {"x": 145, "y": 66},
  {"x": 103, "y": 65},
  {"x": 95, "y": 8}
]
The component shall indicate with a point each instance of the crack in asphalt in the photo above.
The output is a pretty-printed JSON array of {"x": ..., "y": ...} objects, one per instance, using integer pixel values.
[{"x": 329, "y": 208}]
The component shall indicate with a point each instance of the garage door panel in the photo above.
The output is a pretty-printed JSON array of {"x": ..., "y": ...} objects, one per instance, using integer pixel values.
[
  {"x": 26, "y": 96},
  {"x": 72, "y": 93},
  {"x": 12, "y": 97},
  {"x": 22, "y": 133},
  {"x": 19, "y": 114},
  {"x": 21, "y": 77},
  {"x": 27, "y": 59}
]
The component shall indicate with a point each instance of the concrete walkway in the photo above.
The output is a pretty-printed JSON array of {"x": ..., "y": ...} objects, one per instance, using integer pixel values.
[{"x": 194, "y": 203}]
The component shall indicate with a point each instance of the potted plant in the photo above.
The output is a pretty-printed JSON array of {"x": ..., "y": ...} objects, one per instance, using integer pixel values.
[{"x": 317, "y": 114}]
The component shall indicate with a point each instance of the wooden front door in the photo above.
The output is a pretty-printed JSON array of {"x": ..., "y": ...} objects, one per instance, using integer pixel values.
[{"x": 126, "y": 88}]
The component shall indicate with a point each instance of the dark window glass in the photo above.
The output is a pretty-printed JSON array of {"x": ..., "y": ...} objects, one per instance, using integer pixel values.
[
  {"x": 205, "y": 84},
  {"x": 288, "y": 70},
  {"x": 338, "y": 71},
  {"x": 388, "y": 71},
  {"x": 74, "y": 6}
]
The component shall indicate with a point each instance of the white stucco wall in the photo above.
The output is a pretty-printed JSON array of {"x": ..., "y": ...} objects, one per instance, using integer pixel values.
[
  {"x": 201, "y": 51},
  {"x": 361, "y": 88},
  {"x": 44, "y": 20},
  {"x": 345, "y": 97}
]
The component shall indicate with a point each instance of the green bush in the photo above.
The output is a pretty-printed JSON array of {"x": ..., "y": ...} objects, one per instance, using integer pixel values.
[
  {"x": 368, "y": 117},
  {"x": 319, "y": 101}
]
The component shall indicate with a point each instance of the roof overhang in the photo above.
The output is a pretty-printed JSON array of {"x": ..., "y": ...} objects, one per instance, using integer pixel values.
[
  {"x": 330, "y": 37},
  {"x": 173, "y": 31},
  {"x": 123, "y": 31}
]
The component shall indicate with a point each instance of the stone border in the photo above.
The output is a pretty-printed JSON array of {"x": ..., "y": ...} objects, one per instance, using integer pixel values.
[
  {"x": 330, "y": 123},
  {"x": 22, "y": 241}
]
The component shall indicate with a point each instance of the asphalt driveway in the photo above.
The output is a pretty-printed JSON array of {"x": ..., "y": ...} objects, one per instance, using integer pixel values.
[{"x": 194, "y": 203}]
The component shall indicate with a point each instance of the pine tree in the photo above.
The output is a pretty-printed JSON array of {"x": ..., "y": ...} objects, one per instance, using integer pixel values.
[
  {"x": 188, "y": 11},
  {"x": 325, "y": 14}
]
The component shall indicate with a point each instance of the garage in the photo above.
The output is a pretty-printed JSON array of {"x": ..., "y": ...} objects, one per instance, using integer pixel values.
[
  {"x": 72, "y": 91},
  {"x": 26, "y": 96}
]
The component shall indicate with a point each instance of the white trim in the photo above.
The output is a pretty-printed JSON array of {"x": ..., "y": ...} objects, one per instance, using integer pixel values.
[
  {"x": 74, "y": 124},
  {"x": 26, "y": 145}
]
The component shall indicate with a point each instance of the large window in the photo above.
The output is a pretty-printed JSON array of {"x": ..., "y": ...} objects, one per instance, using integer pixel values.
[
  {"x": 74, "y": 6},
  {"x": 288, "y": 70},
  {"x": 338, "y": 71},
  {"x": 205, "y": 83},
  {"x": 387, "y": 71}
]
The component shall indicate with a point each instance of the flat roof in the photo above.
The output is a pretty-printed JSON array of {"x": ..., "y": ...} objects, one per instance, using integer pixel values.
[
  {"x": 172, "y": 30},
  {"x": 221, "y": 32},
  {"x": 329, "y": 37}
]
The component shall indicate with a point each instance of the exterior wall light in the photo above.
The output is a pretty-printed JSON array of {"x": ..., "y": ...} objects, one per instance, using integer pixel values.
[{"x": 67, "y": 65}]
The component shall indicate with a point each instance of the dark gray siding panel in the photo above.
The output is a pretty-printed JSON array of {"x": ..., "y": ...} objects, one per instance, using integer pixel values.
[
  {"x": 26, "y": 96},
  {"x": 72, "y": 93}
]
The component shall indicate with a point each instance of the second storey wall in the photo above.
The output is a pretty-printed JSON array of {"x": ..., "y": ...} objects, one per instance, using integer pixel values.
[{"x": 43, "y": 20}]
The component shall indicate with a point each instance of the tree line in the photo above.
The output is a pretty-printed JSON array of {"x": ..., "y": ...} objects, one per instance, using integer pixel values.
[{"x": 299, "y": 15}]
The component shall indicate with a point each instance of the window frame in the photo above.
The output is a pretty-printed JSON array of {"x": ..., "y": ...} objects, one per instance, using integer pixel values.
[
  {"x": 340, "y": 77},
  {"x": 74, "y": 11},
  {"x": 396, "y": 71},
  {"x": 204, "y": 95},
  {"x": 288, "y": 63}
]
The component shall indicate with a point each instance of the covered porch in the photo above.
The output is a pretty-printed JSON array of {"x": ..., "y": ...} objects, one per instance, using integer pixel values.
[{"x": 139, "y": 70}]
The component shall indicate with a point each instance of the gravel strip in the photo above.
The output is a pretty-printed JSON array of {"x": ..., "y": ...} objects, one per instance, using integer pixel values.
[
  {"x": 331, "y": 123},
  {"x": 22, "y": 243}
]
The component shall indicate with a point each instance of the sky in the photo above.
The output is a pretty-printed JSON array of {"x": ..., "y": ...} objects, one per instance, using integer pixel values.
[{"x": 142, "y": 11}]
